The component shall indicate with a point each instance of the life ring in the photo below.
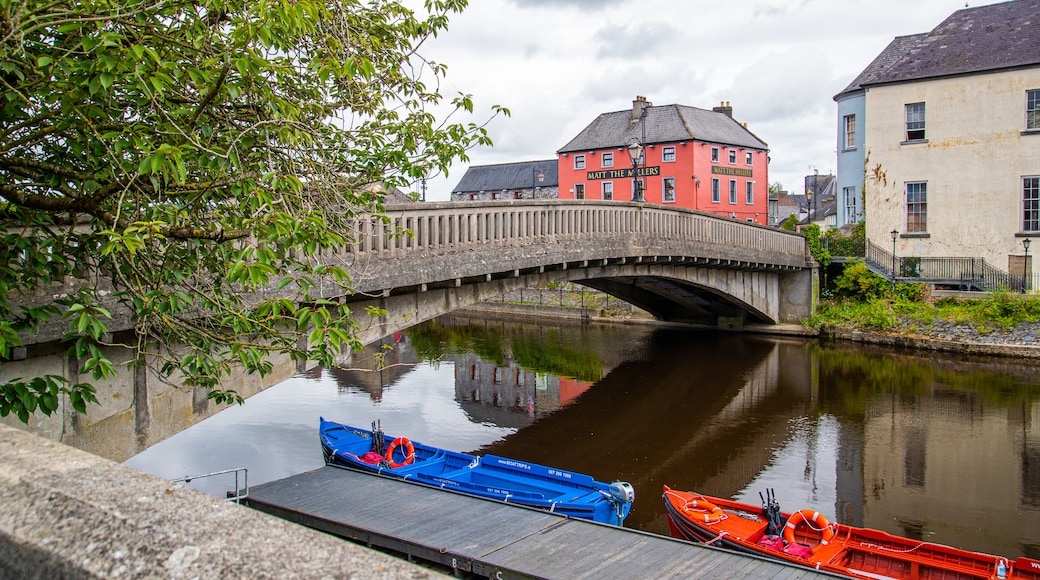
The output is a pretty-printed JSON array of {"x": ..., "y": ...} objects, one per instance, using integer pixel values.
[
  {"x": 409, "y": 452},
  {"x": 711, "y": 513},
  {"x": 818, "y": 522}
]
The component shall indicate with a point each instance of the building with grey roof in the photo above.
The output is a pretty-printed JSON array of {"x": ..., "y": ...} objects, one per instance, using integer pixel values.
[
  {"x": 939, "y": 139},
  {"x": 522, "y": 180},
  {"x": 672, "y": 154}
]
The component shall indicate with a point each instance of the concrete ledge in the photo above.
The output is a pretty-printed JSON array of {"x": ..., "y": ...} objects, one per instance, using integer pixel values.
[
  {"x": 67, "y": 514},
  {"x": 923, "y": 343}
]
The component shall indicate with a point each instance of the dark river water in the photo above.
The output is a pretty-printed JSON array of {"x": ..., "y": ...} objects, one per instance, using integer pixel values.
[{"x": 933, "y": 446}]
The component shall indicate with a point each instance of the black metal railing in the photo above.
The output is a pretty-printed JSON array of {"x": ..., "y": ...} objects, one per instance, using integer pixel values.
[{"x": 965, "y": 273}]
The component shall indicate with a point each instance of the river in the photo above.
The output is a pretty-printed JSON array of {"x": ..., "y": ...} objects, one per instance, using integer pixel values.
[{"x": 932, "y": 446}]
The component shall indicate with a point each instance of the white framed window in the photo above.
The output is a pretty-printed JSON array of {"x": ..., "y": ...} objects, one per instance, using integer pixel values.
[
  {"x": 579, "y": 191},
  {"x": 733, "y": 191},
  {"x": 668, "y": 189},
  {"x": 848, "y": 196},
  {"x": 749, "y": 158},
  {"x": 917, "y": 207},
  {"x": 608, "y": 159},
  {"x": 1031, "y": 204},
  {"x": 579, "y": 162},
  {"x": 850, "y": 131},
  {"x": 715, "y": 154},
  {"x": 608, "y": 190},
  {"x": 1033, "y": 109},
  {"x": 668, "y": 154},
  {"x": 732, "y": 156},
  {"x": 749, "y": 193},
  {"x": 715, "y": 186},
  {"x": 915, "y": 122}
]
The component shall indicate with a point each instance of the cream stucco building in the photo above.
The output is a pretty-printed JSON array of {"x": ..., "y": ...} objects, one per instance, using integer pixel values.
[{"x": 951, "y": 139}]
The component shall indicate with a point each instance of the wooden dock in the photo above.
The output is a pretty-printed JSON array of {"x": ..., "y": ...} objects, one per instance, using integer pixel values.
[{"x": 489, "y": 538}]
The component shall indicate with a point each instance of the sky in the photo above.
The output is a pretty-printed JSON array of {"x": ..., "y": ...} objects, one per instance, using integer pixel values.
[{"x": 557, "y": 64}]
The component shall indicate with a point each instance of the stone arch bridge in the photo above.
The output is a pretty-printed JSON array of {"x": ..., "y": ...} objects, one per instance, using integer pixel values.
[{"x": 677, "y": 264}]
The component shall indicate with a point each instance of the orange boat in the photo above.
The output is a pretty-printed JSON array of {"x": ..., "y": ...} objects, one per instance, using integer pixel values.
[{"x": 806, "y": 538}]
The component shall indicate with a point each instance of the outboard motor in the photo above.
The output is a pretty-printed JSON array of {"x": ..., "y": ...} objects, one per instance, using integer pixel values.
[{"x": 622, "y": 492}]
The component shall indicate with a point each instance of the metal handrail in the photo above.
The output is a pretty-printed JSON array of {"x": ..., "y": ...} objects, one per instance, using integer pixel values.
[
  {"x": 965, "y": 272},
  {"x": 240, "y": 493}
]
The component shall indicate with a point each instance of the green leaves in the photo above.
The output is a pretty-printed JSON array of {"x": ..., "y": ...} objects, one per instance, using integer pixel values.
[{"x": 195, "y": 168}]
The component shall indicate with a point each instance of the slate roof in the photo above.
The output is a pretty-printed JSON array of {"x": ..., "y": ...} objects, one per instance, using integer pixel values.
[
  {"x": 523, "y": 175},
  {"x": 970, "y": 41},
  {"x": 892, "y": 53},
  {"x": 664, "y": 124}
]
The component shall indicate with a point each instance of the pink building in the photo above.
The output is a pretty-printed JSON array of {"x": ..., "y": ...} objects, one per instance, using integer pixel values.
[{"x": 684, "y": 156}]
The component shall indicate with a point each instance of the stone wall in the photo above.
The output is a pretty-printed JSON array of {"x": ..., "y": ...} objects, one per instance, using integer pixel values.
[{"x": 65, "y": 513}]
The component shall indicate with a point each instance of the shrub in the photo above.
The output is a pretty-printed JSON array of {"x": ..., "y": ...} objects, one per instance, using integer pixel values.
[{"x": 857, "y": 282}]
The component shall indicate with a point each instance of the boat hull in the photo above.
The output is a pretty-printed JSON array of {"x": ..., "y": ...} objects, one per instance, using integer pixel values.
[
  {"x": 492, "y": 477},
  {"x": 838, "y": 548}
]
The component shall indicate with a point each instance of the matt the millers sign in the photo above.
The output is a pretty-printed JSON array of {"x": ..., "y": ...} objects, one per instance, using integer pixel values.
[
  {"x": 622, "y": 173},
  {"x": 731, "y": 171}
]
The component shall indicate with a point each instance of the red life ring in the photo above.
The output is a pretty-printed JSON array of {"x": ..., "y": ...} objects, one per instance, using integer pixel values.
[
  {"x": 409, "y": 452},
  {"x": 818, "y": 523},
  {"x": 703, "y": 508}
]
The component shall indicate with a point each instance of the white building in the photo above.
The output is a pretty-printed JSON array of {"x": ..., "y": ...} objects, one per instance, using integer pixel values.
[{"x": 945, "y": 150}]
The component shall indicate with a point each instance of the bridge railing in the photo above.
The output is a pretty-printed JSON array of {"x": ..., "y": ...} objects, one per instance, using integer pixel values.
[{"x": 436, "y": 226}]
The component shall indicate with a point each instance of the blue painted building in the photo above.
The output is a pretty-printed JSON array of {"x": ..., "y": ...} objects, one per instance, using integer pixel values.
[{"x": 852, "y": 117}]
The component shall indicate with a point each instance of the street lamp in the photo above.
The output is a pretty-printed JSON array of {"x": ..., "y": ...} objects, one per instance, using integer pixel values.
[
  {"x": 635, "y": 151},
  {"x": 895, "y": 234},
  {"x": 1025, "y": 263}
]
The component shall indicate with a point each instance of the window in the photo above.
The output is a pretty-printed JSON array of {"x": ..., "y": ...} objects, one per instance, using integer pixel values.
[
  {"x": 608, "y": 190},
  {"x": 668, "y": 154},
  {"x": 733, "y": 191},
  {"x": 749, "y": 193},
  {"x": 850, "y": 131},
  {"x": 1031, "y": 204},
  {"x": 1033, "y": 109},
  {"x": 579, "y": 191},
  {"x": 715, "y": 190},
  {"x": 848, "y": 196},
  {"x": 916, "y": 207},
  {"x": 668, "y": 187},
  {"x": 732, "y": 156},
  {"x": 715, "y": 154},
  {"x": 579, "y": 162},
  {"x": 915, "y": 122},
  {"x": 608, "y": 159},
  {"x": 749, "y": 158}
]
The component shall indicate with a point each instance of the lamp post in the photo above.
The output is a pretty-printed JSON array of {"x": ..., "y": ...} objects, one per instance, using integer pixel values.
[
  {"x": 895, "y": 234},
  {"x": 635, "y": 151},
  {"x": 1025, "y": 263}
]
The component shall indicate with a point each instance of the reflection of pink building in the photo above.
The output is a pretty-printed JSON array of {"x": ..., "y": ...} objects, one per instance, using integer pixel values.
[
  {"x": 571, "y": 389},
  {"x": 692, "y": 158},
  {"x": 506, "y": 395}
]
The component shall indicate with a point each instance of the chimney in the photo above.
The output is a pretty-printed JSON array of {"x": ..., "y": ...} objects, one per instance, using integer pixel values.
[
  {"x": 638, "y": 106},
  {"x": 724, "y": 108}
]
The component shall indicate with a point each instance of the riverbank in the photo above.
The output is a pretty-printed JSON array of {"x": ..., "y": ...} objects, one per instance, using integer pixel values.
[{"x": 1021, "y": 341}]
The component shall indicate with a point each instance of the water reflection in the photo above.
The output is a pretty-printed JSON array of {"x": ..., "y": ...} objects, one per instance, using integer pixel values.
[{"x": 929, "y": 446}]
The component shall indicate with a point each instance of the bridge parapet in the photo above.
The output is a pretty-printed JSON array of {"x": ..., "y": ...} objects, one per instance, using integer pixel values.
[{"x": 433, "y": 242}]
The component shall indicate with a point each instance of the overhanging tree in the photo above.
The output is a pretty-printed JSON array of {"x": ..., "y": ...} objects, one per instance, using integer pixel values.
[{"x": 189, "y": 162}]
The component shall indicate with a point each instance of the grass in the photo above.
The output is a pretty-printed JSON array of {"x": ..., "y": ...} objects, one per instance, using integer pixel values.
[{"x": 1000, "y": 310}]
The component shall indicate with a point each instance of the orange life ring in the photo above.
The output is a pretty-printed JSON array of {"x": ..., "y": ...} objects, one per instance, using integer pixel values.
[
  {"x": 710, "y": 512},
  {"x": 409, "y": 452},
  {"x": 818, "y": 522}
]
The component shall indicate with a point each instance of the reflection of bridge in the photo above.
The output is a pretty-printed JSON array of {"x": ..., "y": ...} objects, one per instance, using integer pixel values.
[{"x": 677, "y": 264}]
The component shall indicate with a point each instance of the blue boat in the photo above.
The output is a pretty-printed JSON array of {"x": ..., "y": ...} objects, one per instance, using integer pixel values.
[{"x": 489, "y": 476}]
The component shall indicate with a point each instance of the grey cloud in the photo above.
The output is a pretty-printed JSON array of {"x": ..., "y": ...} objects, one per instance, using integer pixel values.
[{"x": 589, "y": 5}]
